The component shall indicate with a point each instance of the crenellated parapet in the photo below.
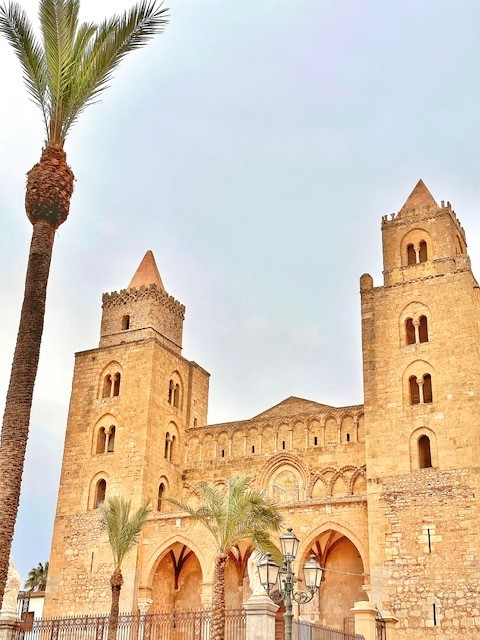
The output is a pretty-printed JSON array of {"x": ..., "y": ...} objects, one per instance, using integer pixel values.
[{"x": 151, "y": 292}]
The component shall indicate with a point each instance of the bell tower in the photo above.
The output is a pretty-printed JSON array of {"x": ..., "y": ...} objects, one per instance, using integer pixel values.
[
  {"x": 421, "y": 365},
  {"x": 132, "y": 400}
]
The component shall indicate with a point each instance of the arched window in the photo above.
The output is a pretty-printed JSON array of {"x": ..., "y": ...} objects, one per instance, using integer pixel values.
[
  {"x": 423, "y": 329},
  {"x": 171, "y": 388},
  {"x": 424, "y": 452},
  {"x": 116, "y": 384},
  {"x": 176, "y": 396},
  {"x": 427, "y": 388},
  {"x": 167, "y": 445},
  {"x": 161, "y": 492},
  {"x": 410, "y": 331},
  {"x": 414, "y": 390},
  {"x": 411, "y": 255},
  {"x": 107, "y": 387},
  {"x": 100, "y": 491},
  {"x": 111, "y": 440},
  {"x": 423, "y": 254},
  {"x": 172, "y": 446},
  {"x": 125, "y": 323},
  {"x": 101, "y": 439}
]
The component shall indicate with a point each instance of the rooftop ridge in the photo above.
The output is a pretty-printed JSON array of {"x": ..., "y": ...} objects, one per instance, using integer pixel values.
[{"x": 299, "y": 414}]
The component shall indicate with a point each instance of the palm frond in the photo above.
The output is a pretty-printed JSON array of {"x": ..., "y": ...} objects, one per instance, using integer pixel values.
[
  {"x": 16, "y": 27},
  {"x": 235, "y": 514},
  {"x": 114, "y": 39},
  {"x": 122, "y": 529}
]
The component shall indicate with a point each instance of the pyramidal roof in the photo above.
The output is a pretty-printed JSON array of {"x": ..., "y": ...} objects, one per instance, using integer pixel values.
[
  {"x": 147, "y": 274},
  {"x": 420, "y": 197}
]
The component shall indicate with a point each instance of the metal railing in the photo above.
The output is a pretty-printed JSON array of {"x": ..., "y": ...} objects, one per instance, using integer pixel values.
[
  {"x": 180, "y": 625},
  {"x": 303, "y": 630}
]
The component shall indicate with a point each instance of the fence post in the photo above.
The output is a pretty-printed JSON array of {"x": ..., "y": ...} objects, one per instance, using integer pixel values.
[
  {"x": 391, "y": 622},
  {"x": 260, "y": 613},
  {"x": 365, "y": 613}
]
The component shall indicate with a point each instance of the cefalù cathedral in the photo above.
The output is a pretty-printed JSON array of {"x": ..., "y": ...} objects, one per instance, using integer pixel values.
[{"x": 385, "y": 494}]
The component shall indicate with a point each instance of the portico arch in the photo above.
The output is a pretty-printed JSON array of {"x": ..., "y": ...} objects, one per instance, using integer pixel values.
[
  {"x": 176, "y": 580},
  {"x": 340, "y": 552}
]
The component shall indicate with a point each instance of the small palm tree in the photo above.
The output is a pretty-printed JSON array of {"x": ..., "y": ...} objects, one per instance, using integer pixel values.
[
  {"x": 64, "y": 72},
  {"x": 123, "y": 530},
  {"x": 232, "y": 515},
  {"x": 37, "y": 578}
]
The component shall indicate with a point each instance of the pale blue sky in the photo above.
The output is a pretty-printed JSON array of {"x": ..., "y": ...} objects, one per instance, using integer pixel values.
[{"x": 254, "y": 147}]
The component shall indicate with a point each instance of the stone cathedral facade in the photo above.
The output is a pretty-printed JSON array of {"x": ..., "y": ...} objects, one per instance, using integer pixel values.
[{"x": 386, "y": 495}]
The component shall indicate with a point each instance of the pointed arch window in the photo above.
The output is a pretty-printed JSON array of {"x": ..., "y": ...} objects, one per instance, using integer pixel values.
[
  {"x": 176, "y": 396},
  {"x": 410, "y": 331},
  {"x": 422, "y": 252},
  {"x": 411, "y": 255},
  {"x": 424, "y": 452},
  {"x": 161, "y": 493},
  {"x": 107, "y": 387},
  {"x": 100, "y": 493},
  {"x": 111, "y": 440},
  {"x": 101, "y": 440},
  {"x": 423, "y": 329},
  {"x": 116, "y": 384},
  {"x": 427, "y": 388},
  {"x": 414, "y": 390},
  {"x": 167, "y": 446}
]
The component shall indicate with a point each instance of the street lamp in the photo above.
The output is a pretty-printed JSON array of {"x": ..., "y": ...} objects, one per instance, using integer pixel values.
[{"x": 269, "y": 574}]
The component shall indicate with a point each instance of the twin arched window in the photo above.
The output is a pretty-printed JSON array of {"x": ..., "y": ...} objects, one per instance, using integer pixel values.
[
  {"x": 111, "y": 385},
  {"x": 417, "y": 253},
  {"x": 174, "y": 394},
  {"x": 169, "y": 446},
  {"x": 416, "y": 331},
  {"x": 105, "y": 440},
  {"x": 421, "y": 389}
]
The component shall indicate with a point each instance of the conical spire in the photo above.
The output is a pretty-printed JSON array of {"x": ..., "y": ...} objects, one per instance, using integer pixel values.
[
  {"x": 420, "y": 197},
  {"x": 147, "y": 274}
]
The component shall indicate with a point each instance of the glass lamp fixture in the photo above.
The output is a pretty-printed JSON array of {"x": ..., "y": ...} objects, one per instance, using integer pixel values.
[
  {"x": 289, "y": 545},
  {"x": 312, "y": 574},
  {"x": 267, "y": 572},
  {"x": 282, "y": 574}
]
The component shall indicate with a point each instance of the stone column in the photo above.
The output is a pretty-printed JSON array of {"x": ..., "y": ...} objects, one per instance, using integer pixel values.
[
  {"x": 7, "y": 623},
  {"x": 364, "y": 613},
  {"x": 260, "y": 613},
  {"x": 144, "y": 605},
  {"x": 420, "y": 390},
  {"x": 416, "y": 326}
]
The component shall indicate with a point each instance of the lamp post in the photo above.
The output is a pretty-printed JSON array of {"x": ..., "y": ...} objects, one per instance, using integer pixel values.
[{"x": 270, "y": 575}]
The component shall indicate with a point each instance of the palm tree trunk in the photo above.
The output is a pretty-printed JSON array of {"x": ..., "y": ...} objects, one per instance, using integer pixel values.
[
  {"x": 218, "y": 598},
  {"x": 116, "y": 582},
  {"x": 16, "y": 419}
]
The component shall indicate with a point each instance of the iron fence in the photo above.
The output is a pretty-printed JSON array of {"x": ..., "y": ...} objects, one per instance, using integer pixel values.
[
  {"x": 302, "y": 630},
  {"x": 180, "y": 625}
]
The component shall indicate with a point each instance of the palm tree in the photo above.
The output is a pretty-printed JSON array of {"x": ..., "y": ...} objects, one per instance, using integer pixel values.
[
  {"x": 37, "y": 578},
  {"x": 232, "y": 515},
  {"x": 123, "y": 531},
  {"x": 64, "y": 72}
]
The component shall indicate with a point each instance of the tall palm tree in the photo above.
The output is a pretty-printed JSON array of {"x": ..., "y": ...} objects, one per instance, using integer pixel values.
[
  {"x": 123, "y": 530},
  {"x": 64, "y": 72},
  {"x": 37, "y": 578},
  {"x": 237, "y": 513}
]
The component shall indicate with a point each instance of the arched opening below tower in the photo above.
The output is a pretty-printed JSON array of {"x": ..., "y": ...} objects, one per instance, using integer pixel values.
[
  {"x": 177, "y": 583},
  {"x": 342, "y": 580}
]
